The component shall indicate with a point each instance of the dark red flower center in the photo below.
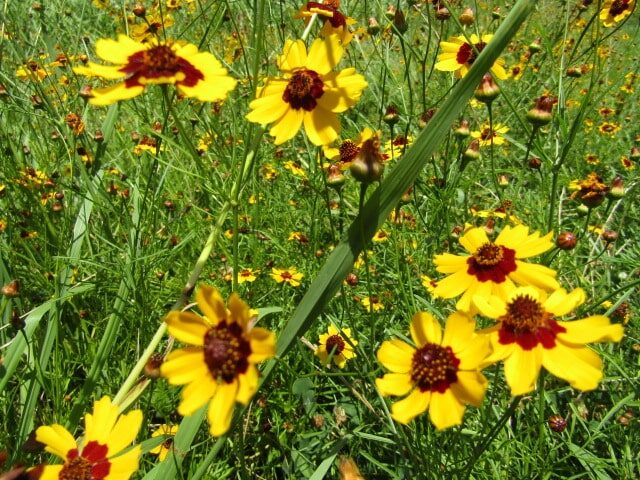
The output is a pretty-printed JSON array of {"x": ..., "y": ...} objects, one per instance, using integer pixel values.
[
  {"x": 328, "y": 12},
  {"x": 618, "y": 7},
  {"x": 466, "y": 54},
  {"x": 434, "y": 368},
  {"x": 492, "y": 262},
  {"x": 335, "y": 345},
  {"x": 286, "y": 275},
  {"x": 487, "y": 133},
  {"x": 528, "y": 324},
  {"x": 348, "y": 151},
  {"x": 226, "y": 351},
  {"x": 160, "y": 61},
  {"x": 92, "y": 464},
  {"x": 303, "y": 89}
]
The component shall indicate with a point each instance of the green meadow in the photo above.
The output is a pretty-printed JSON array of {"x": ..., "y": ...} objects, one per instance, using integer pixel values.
[{"x": 243, "y": 239}]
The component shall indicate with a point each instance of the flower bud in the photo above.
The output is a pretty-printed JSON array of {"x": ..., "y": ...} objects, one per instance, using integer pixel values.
[
  {"x": 443, "y": 13},
  {"x": 85, "y": 91},
  {"x": 152, "y": 367},
  {"x": 573, "y": 72},
  {"x": 495, "y": 13},
  {"x": 335, "y": 178},
  {"x": 17, "y": 322},
  {"x": 374, "y": 27},
  {"x": 352, "y": 279},
  {"x": 541, "y": 114},
  {"x": 635, "y": 153},
  {"x": 400, "y": 22},
  {"x": 617, "y": 188},
  {"x": 582, "y": 210},
  {"x": 488, "y": 90},
  {"x": 535, "y": 46},
  {"x": 463, "y": 130},
  {"x": 557, "y": 423},
  {"x": 467, "y": 17},
  {"x": 367, "y": 166},
  {"x": 139, "y": 10},
  {"x": 535, "y": 163},
  {"x": 503, "y": 180},
  {"x": 609, "y": 236},
  {"x": 390, "y": 13},
  {"x": 391, "y": 116},
  {"x": 11, "y": 289},
  {"x": 566, "y": 241},
  {"x": 472, "y": 152}
]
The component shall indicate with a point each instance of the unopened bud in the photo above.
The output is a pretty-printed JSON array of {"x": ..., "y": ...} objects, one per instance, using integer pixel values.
[
  {"x": 391, "y": 116},
  {"x": 472, "y": 152},
  {"x": 557, "y": 423},
  {"x": 373, "y": 27},
  {"x": 352, "y": 279},
  {"x": 635, "y": 153},
  {"x": 609, "y": 236},
  {"x": 335, "y": 178},
  {"x": 488, "y": 90},
  {"x": 467, "y": 17},
  {"x": 463, "y": 129},
  {"x": 11, "y": 289},
  {"x": 390, "y": 13},
  {"x": 443, "y": 13},
  {"x": 566, "y": 241},
  {"x": 139, "y": 10},
  {"x": 400, "y": 22},
  {"x": 535, "y": 163},
  {"x": 86, "y": 91},
  {"x": 152, "y": 367},
  {"x": 535, "y": 46},
  {"x": 617, "y": 188},
  {"x": 541, "y": 114},
  {"x": 582, "y": 210},
  {"x": 98, "y": 136},
  {"x": 495, "y": 13},
  {"x": 503, "y": 180},
  {"x": 367, "y": 166},
  {"x": 17, "y": 322},
  {"x": 573, "y": 72}
]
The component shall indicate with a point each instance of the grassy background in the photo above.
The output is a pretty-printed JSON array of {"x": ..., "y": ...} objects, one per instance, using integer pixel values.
[{"x": 108, "y": 256}]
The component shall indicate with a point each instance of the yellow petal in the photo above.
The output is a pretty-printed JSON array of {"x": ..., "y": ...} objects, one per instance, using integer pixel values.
[
  {"x": 267, "y": 109},
  {"x": 448, "y": 263},
  {"x": 474, "y": 239},
  {"x": 187, "y": 327},
  {"x": 395, "y": 355},
  {"x": 445, "y": 410},
  {"x": 197, "y": 394},
  {"x": 321, "y": 126},
  {"x": 221, "y": 408},
  {"x": 447, "y": 64},
  {"x": 57, "y": 439},
  {"x": 294, "y": 55},
  {"x": 50, "y": 472},
  {"x": 397, "y": 384},
  {"x": 491, "y": 307},
  {"x": 123, "y": 466},
  {"x": 342, "y": 90},
  {"x": 581, "y": 367},
  {"x": 560, "y": 303},
  {"x": 287, "y": 126},
  {"x": 425, "y": 329},
  {"x": 536, "y": 275},
  {"x": 211, "y": 304},
  {"x": 248, "y": 385},
  {"x": 454, "y": 284},
  {"x": 118, "y": 51},
  {"x": 263, "y": 345},
  {"x": 410, "y": 407},
  {"x": 98, "y": 425},
  {"x": 124, "y": 432},
  {"x": 596, "y": 328},
  {"x": 183, "y": 366},
  {"x": 97, "y": 70},
  {"x": 470, "y": 387},
  {"x": 109, "y": 95},
  {"x": 522, "y": 368},
  {"x": 325, "y": 54}
]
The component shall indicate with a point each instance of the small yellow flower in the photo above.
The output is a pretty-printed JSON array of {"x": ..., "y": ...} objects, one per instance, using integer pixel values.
[
  {"x": 614, "y": 11},
  {"x": 372, "y": 303},
  {"x": 380, "y": 236},
  {"x": 609, "y": 128},
  {"x": 165, "y": 447},
  {"x": 288, "y": 275},
  {"x": 486, "y": 134},
  {"x": 247, "y": 275},
  {"x": 336, "y": 345},
  {"x": 429, "y": 284},
  {"x": 458, "y": 55},
  {"x": 295, "y": 168}
]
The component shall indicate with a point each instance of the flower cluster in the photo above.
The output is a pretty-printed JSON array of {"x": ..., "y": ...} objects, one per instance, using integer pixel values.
[{"x": 442, "y": 372}]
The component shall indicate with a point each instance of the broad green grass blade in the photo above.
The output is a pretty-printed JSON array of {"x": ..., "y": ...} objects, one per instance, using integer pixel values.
[{"x": 385, "y": 198}]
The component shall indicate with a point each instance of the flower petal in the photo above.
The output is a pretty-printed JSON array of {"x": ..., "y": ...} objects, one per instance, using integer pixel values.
[
  {"x": 342, "y": 90},
  {"x": 470, "y": 387},
  {"x": 98, "y": 425},
  {"x": 536, "y": 275},
  {"x": 396, "y": 355},
  {"x": 187, "y": 327},
  {"x": 581, "y": 367},
  {"x": 560, "y": 303},
  {"x": 325, "y": 54},
  {"x": 211, "y": 304},
  {"x": 123, "y": 466},
  {"x": 287, "y": 126},
  {"x": 294, "y": 55},
  {"x": 596, "y": 328},
  {"x": 57, "y": 439},
  {"x": 263, "y": 344},
  {"x": 197, "y": 394},
  {"x": 397, "y": 384},
  {"x": 474, "y": 239},
  {"x": 425, "y": 329},
  {"x": 449, "y": 263},
  {"x": 522, "y": 368},
  {"x": 220, "y": 410},
  {"x": 183, "y": 366},
  {"x": 410, "y": 407},
  {"x": 124, "y": 432},
  {"x": 321, "y": 126},
  {"x": 114, "y": 93},
  {"x": 445, "y": 410},
  {"x": 118, "y": 51},
  {"x": 453, "y": 285},
  {"x": 248, "y": 385}
]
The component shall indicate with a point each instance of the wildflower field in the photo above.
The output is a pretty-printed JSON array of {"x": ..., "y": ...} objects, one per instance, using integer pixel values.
[{"x": 303, "y": 240}]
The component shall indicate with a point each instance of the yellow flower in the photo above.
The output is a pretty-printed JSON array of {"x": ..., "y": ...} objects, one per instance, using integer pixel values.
[
  {"x": 396, "y": 147},
  {"x": 165, "y": 447},
  {"x": 380, "y": 236},
  {"x": 336, "y": 345},
  {"x": 310, "y": 93},
  {"x": 458, "y": 55},
  {"x": 219, "y": 366},
  {"x": 334, "y": 22},
  {"x": 528, "y": 337},
  {"x": 98, "y": 454},
  {"x": 441, "y": 373},
  {"x": 609, "y": 128},
  {"x": 493, "y": 267},
  {"x": 295, "y": 168},
  {"x": 372, "y": 303},
  {"x": 153, "y": 25},
  {"x": 486, "y": 134},
  {"x": 195, "y": 74},
  {"x": 288, "y": 275},
  {"x": 429, "y": 284},
  {"x": 350, "y": 149},
  {"x": 614, "y": 11},
  {"x": 247, "y": 275}
]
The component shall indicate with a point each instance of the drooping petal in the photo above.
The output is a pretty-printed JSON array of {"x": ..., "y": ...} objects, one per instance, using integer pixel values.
[
  {"x": 596, "y": 328},
  {"x": 197, "y": 394},
  {"x": 221, "y": 408},
  {"x": 211, "y": 304},
  {"x": 522, "y": 368},
  {"x": 397, "y": 384},
  {"x": 445, "y": 410},
  {"x": 407, "y": 409},
  {"x": 114, "y": 93},
  {"x": 248, "y": 385},
  {"x": 425, "y": 329},
  {"x": 470, "y": 387},
  {"x": 187, "y": 327},
  {"x": 395, "y": 355},
  {"x": 124, "y": 432},
  {"x": 325, "y": 54},
  {"x": 321, "y": 126},
  {"x": 287, "y": 126},
  {"x": 581, "y": 367},
  {"x": 184, "y": 366}
]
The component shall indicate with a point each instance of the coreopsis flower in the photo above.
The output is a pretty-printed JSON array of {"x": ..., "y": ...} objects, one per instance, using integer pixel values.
[
  {"x": 152, "y": 26},
  {"x": 591, "y": 191},
  {"x": 529, "y": 336},
  {"x": 486, "y": 134},
  {"x": 614, "y": 11},
  {"x": 458, "y": 55},
  {"x": 97, "y": 455},
  {"x": 609, "y": 128},
  {"x": 334, "y": 21},
  {"x": 372, "y": 303},
  {"x": 247, "y": 275},
  {"x": 493, "y": 268},
  {"x": 165, "y": 447},
  {"x": 337, "y": 346},
  {"x": 309, "y": 92},
  {"x": 396, "y": 147},
  {"x": 440, "y": 373},
  {"x": 287, "y": 275},
  {"x": 429, "y": 284},
  {"x": 380, "y": 236},
  {"x": 219, "y": 365},
  {"x": 348, "y": 150},
  {"x": 195, "y": 74}
]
